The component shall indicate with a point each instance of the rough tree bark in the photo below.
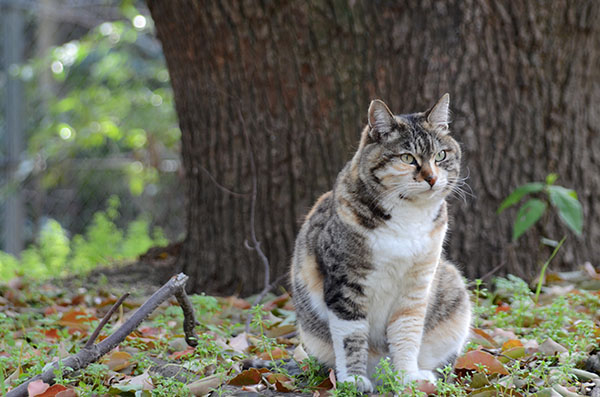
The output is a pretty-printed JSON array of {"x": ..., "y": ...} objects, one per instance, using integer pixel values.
[{"x": 524, "y": 83}]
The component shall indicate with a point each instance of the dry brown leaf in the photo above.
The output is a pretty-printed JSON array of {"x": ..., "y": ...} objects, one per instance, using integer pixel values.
[
  {"x": 76, "y": 319},
  {"x": 474, "y": 359},
  {"x": 485, "y": 336},
  {"x": 117, "y": 360},
  {"x": 250, "y": 376},
  {"x": 55, "y": 390},
  {"x": 205, "y": 385},
  {"x": 36, "y": 388},
  {"x": 511, "y": 343},
  {"x": 275, "y": 354}
]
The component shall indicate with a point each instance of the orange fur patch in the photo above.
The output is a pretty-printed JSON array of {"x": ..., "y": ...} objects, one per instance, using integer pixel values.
[
  {"x": 413, "y": 311},
  {"x": 311, "y": 276},
  {"x": 319, "y": 202}
]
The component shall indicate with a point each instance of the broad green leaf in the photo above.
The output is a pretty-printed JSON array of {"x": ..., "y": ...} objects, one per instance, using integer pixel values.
[
  {"x": 519, "y": 193},
  {"x": 568, "y": 206},
  {"x": 527, "y": 216}
]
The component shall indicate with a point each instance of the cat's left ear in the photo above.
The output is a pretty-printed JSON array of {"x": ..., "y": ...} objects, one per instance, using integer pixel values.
[
  {"x": 439, "y": 115},
  {"x": 381, "y": 120}
]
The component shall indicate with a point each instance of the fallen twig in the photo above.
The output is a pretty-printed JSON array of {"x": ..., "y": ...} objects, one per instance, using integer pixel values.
[
  {"x": 189, "y": 320},
  {"x": 105, "y": 319},
  {"x": 92, "y": 352}
]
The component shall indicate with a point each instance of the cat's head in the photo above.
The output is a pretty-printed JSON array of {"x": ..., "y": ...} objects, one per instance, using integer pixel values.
[{"x": 411, "y": 156}]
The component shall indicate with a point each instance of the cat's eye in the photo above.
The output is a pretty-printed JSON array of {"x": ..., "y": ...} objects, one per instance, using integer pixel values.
[
  {"x": 407, "y": 158},
  {"x": 440, "y": 156}
]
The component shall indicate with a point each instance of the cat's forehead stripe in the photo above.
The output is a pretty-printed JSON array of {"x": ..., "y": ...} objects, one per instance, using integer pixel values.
[{"x": 419, "y": 140}]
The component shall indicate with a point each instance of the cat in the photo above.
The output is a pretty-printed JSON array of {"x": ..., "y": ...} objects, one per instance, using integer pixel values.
[{"x": 368, "y": 275}]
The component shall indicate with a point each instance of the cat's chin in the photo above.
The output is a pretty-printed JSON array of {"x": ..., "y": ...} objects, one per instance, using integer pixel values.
[{"x": 426, "y": 196}]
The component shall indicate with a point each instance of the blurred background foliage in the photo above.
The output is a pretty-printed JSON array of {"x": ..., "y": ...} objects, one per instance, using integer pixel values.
[{"x": 99, "y": 174}]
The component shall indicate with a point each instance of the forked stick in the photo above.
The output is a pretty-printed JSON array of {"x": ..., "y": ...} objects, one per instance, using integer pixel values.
[{"x": 91, "y": 353}]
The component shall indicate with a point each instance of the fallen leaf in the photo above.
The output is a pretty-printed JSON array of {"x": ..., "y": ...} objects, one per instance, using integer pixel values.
[
  {"x": 332, "y": 378},
  {"x": 272, "y": 378},
  {"x": 299, "y": 354},
  {"x": 531, "y": 346},
  {"x": 275, "y": 354},
  {"x": 280, "y": 301},
  {"x": 180, "y": 354},
  {"x": 550, "y": 347},
  {"x": 274, "y": 332},
  {"x": 515, "y": 353},
  {"x": 281, "y": 382},
  {"x": 485, "y": 336},
  {"x": 327, "y": 383},
  {"x": 250, "y": 376},
  {"x": 54, "y": 390},
  {"x": 140, "y": 382},
  {"x": 503, "y": 335},
  {"x": 238, "y": 302},
  {"x": 239, "y": 343},
  {"x": 474, "y": 359},
  {"x": 76, "y": 319},
  {"x": 67, "y": 393},
  {"x": 51, "y": 333},
  {"x": 205, "y": 385},
  {"x": 36, "y": 388},
  {"x": 509, "y": 344},
  {"x": 117, "y": 360}
]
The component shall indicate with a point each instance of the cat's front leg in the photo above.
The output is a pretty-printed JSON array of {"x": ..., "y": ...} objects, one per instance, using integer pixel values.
[
  {"x": 405, "y": 332},
  {"x": 350, "y": 345}
]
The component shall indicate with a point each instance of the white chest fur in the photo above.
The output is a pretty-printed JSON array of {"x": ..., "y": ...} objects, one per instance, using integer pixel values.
[
  {"x": 407, "y": 239},
  {"x": 406, "y": 236}
]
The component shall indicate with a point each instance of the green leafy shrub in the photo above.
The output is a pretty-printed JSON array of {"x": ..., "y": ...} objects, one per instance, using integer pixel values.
[{"x": 102, "y": 243}]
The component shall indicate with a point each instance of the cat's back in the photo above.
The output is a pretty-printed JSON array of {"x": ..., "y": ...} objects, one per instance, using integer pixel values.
[{"x": 305, "y": 273}]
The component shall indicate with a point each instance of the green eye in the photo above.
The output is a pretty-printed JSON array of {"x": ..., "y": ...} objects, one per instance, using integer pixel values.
[
  {"x": 440, "y": 156},
  {"x": 407, "y": 158}
]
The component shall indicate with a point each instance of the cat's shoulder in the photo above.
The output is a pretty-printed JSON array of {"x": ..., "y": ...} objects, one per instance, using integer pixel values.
[{"x": 321, "y": 208}]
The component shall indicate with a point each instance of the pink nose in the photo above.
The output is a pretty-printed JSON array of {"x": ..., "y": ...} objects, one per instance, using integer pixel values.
[{"x": 431, "y": 179}]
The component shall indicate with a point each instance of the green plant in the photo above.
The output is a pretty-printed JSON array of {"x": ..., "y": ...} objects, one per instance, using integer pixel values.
[
  {"x": 103, "y": 243},
  {"x": 388, "y": 377},
  {"x": 345, "y": 389},
  {"x": 260, "y": 322},
  {"x": 563, "y": 200},
  {"x": 313, "y": 374}
]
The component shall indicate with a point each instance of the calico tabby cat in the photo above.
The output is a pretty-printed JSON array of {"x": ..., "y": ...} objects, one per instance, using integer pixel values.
[{"x": 368, "y": 276}]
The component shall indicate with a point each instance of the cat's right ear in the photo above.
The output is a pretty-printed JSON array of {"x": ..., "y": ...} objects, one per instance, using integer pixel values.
[{"x": 381, "y": 120}]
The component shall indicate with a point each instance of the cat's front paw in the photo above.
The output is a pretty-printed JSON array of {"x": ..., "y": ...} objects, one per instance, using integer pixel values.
[
  {"x": 362, "y": 383},
  {"x": 418, "y": 375}
]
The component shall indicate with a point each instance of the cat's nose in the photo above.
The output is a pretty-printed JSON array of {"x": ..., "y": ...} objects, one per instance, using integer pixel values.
[{"x": 431, "y": 179}]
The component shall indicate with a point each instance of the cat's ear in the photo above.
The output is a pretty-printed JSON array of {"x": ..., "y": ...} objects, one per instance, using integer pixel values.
[
  {"x": 381, "y": 120},
  {"x": 439, "y": 115}
]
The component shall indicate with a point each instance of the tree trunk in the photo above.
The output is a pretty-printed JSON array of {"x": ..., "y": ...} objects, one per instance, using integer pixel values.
[{"x": 524, "y": 84}]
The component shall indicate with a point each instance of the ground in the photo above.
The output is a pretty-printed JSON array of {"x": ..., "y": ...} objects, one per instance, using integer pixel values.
[{"x": 519, "y": 347}]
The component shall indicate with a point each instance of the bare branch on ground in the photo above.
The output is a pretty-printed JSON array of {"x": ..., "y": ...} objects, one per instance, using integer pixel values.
[{"x": 93, "y": 352}]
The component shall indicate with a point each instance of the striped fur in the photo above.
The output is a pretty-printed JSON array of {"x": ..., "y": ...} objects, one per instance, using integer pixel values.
[{"x": 368, "y": 276}]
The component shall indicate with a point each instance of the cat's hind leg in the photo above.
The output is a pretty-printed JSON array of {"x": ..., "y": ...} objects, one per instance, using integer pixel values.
[{"x": 448, "y": 320}]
